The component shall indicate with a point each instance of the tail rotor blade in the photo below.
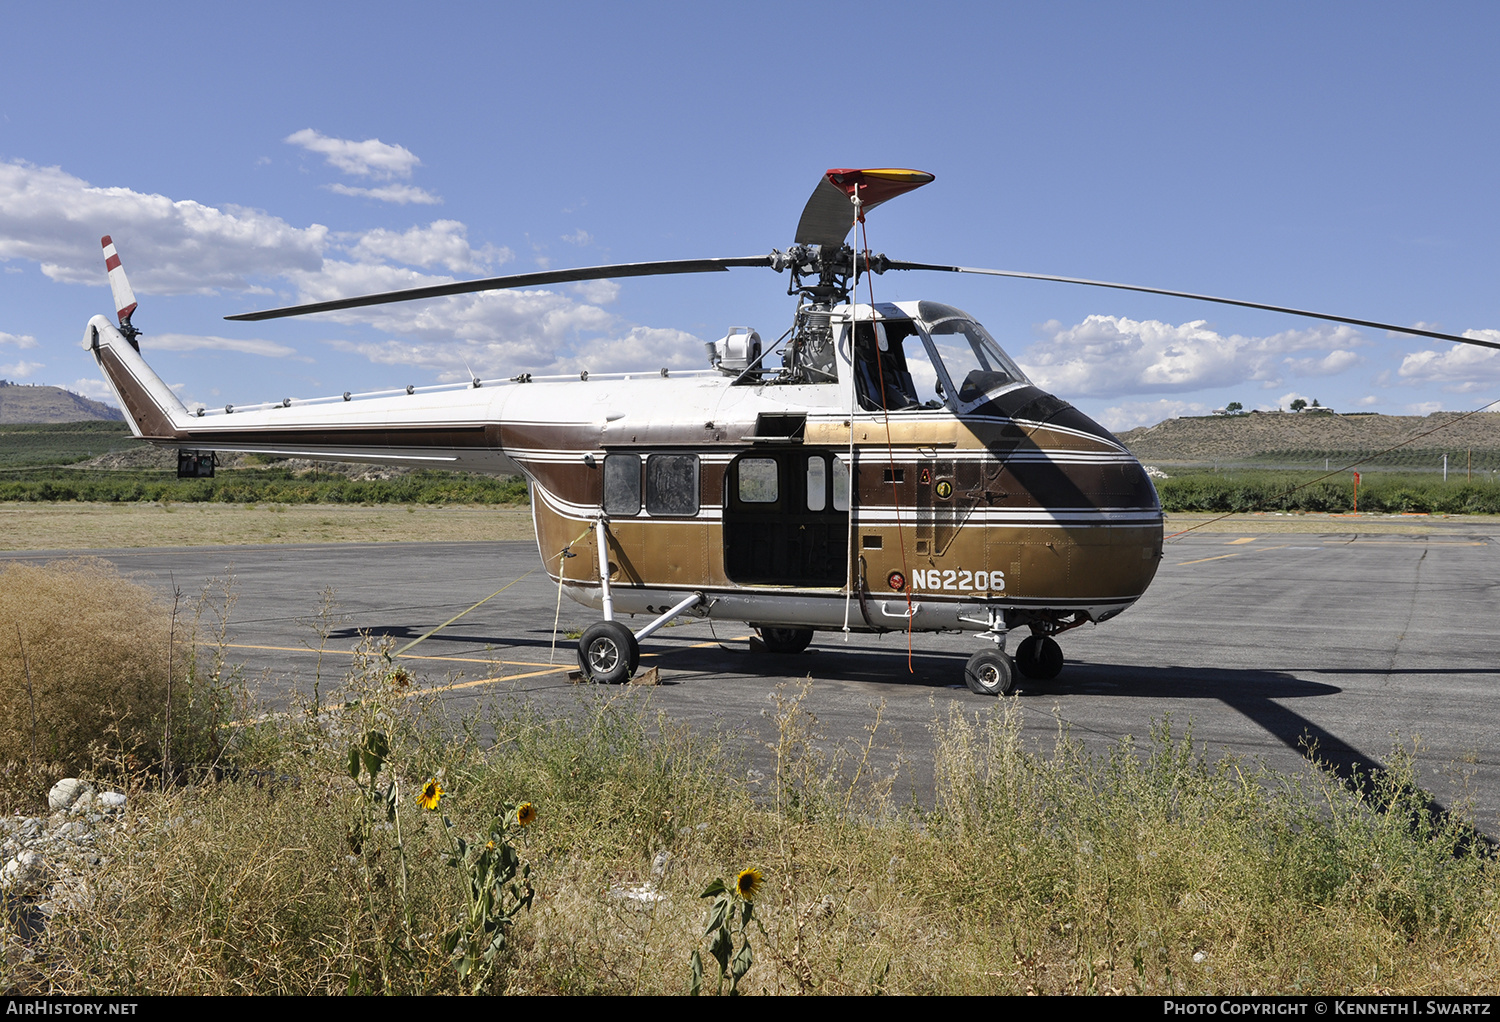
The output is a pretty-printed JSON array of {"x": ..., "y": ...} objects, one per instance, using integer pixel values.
[{"x": 124, "y": 297}]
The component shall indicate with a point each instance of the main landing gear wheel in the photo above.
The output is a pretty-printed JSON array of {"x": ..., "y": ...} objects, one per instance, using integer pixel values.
[
  {"x": 1039, "y": 657},
  {"x": 608, "y": 653},
  {"x": 990, "y": 673},
  {"x": 785, "y": 640}
]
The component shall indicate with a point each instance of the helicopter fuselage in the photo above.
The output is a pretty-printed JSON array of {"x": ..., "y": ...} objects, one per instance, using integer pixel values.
[{"x": 878, "y": 492}]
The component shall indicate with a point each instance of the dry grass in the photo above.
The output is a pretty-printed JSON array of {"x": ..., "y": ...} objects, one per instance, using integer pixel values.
[
  {"x": 84, "y": 666},
  {"x": 1146, "y": 871},
  {"x": 79, "y": 526}
]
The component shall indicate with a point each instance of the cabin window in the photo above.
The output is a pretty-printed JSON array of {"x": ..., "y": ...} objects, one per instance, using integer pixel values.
[
  {"x": 758, "y": 481},
  {"x": 622, "y": 484},
  {"x": 817, "y": 484},
  {"x": 840, "y": 485},
  {"x": 672, "y": 484}
]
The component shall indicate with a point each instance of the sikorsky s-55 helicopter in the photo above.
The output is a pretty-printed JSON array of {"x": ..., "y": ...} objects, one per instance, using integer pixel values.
[{"x": 897, "y": 471}]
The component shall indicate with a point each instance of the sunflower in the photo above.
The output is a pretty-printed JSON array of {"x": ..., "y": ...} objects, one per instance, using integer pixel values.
[
  {"x": 747, "y": 883},
  {"x": 432, "y": 794},
  {"x": 525, "y": 814}
]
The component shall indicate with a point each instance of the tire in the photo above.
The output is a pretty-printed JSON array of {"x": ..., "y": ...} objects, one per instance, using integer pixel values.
[
  {"x": 784, "y": 640},
  {"x": 608, "y": 653},
  {"x": 1039, "y": 657},
  {"x": 990, "y": 673}
]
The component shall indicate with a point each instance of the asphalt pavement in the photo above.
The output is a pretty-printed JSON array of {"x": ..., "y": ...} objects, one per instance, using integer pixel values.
[{"x": 1266, "y": 643}]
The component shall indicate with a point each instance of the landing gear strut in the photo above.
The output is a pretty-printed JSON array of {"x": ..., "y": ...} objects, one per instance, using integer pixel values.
[{"x": 990, "y": 672}]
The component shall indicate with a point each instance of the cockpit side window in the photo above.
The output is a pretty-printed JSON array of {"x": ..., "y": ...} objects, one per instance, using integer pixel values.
[{"x": 899, "y": 378}]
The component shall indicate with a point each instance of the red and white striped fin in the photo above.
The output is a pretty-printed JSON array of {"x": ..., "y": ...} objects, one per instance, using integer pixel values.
[{"x": 124, "y": 297}]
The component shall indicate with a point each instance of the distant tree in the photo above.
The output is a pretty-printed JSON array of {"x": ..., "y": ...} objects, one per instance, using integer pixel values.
[
  {"x": 1299, "y": 404},
  {"x": 1315, "y": 403},
  {"x": 1234, "y": 407}
]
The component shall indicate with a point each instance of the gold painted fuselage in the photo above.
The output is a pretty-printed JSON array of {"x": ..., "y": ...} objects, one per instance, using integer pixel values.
[{"x": 783, "y": 503}]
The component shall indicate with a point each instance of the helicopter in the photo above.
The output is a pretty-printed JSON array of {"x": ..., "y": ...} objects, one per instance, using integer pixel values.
[{"x": 897, "y": 472}]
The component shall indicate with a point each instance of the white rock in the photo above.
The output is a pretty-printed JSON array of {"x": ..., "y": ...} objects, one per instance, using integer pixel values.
[
  {"x": 112, "y": 800},
  {"x": 643, "y": 897},
  {"x": 24, "y": 873},
  {"x": 65, "y": 792}
]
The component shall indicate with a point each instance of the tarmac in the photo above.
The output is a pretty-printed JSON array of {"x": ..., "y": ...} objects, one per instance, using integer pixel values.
[{"x": 1267, "y": 644}]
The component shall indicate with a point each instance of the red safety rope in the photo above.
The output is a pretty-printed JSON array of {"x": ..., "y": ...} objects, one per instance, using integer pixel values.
[{"x": 859, "y": 215}]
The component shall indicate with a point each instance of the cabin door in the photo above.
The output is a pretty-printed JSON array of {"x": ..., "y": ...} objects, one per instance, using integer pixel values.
[{"x": 786, "y": 518}]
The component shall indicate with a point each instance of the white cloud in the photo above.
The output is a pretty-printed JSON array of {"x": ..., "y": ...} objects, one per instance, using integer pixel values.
[
  {"x": 399, "y": 194},
  {"x": 1108, "y": 356},
  {"x": 1461, "y": 368},
  {"x": 1130, "y": 414},
  {"x": 195, "y": 342},
  {"x": 441, "y": 243},
  {"x": 181, "y": 246},
  {"x": 579, "y": 237},
  {"x": 371, "y": 158},
  {"x": 597, "y": 292},
  {"x": 643, "y": 348},
  {"x": 1367, "y": 401},
  {"x": 1334, "y": 362},
  {"x": 1424, "y": 408},
  {"x": 22, "y": 368},
  {"x": 505, "y": 333},
  {"x": 94, "y": 388},
  {"x": 168, "y": 247}
]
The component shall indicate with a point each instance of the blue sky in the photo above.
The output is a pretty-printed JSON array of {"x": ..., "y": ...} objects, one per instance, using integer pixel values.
[{"x": 1329, "y": 156}]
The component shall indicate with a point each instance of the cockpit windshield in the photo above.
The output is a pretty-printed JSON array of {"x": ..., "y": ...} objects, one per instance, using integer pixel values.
[{"x": 970, "y": 356}]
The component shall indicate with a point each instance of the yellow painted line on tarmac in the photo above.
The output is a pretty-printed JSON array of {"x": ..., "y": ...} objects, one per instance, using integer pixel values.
[
  {"x": 487, "y": 681},
  {"x": 1420, "y": 539},
  {"x": 537, "y": 674},
  {"x": 1236, "y": 542},
  {"x": 402, "y": 656},
  {"x": 546, "y": 668},
  {"x": 1202, "y": 559}
]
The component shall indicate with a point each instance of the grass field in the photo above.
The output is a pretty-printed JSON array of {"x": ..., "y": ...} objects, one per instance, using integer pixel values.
[
  {"x": 82, "y": 526},
  {"x": 61, "y": 443},
  {"x": 1267, "y": 490}
]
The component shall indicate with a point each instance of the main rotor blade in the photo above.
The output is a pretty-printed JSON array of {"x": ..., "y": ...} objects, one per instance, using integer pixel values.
[
  {"x": 897, "y": 265},
  {"x": 829, "y": 214},
  {"x": 544, "y": 277}
]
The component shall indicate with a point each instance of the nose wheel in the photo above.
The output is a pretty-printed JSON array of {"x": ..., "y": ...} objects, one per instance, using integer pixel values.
[
  {"x": 785, "y": 640},
  {"x": 1039, "y": 657}
]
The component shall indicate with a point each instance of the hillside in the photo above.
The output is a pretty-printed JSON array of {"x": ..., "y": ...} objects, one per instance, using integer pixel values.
[
  {"x": 28, "y": 403},
  {"x": 1286, "y": 438}
]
